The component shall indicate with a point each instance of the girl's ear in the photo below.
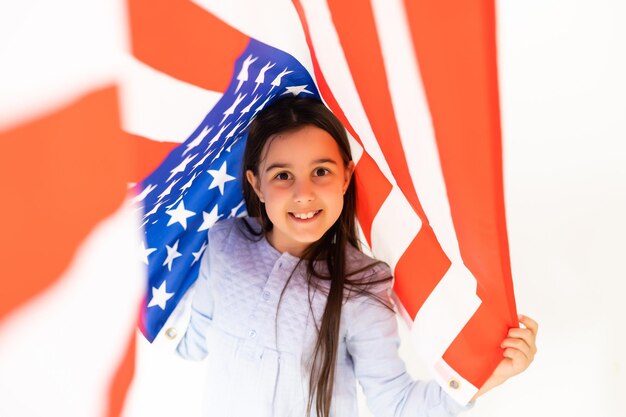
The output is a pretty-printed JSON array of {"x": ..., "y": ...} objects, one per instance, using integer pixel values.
[
  {"x": 254, "y": 182},
  {"x": 347, "y": 175}
]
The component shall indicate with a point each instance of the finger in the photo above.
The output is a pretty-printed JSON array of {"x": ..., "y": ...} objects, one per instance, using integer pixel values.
[
  {"x": 516, "y": 355},
  {"x": 529, "y": 323},
  {"x": 521, "y": 333},
  {"x": 519, "y": 344},
  {"x": 525, "y": 334}
]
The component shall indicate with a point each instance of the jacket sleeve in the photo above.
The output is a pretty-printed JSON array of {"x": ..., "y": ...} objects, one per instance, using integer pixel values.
[
  {"x": 372, "y": 341},
  {"x": 193, "y": 344}
]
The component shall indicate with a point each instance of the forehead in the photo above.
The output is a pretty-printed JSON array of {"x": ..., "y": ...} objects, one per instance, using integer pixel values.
[{"x": 310, "y": 143}]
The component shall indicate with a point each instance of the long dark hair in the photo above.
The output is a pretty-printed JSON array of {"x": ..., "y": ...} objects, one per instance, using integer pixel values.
[{"x": 289, "y": 114}]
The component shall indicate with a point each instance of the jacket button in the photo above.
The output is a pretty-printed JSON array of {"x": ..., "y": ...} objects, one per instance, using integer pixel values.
[
  {"x": 171, "y": 333},
  {"x": 252, "y": 334},
  {"x": 266, "y": 295}
]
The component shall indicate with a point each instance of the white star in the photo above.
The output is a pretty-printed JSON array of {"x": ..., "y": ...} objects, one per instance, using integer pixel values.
[
  {"x": 197, "y": 255},
  {"x": 181, "y": 167},
  {"x": 234, "y": 211},
  {"x": 144, "y": 193},
  {"x": 232, "y": 108},
  {"x": 180, "y": 215},
  {"x": 154, "y": 210},
  {"x": 168, "y": 190},
  {"x": 200, "y": 162},
  {"x": 172, "y": 253},
  {"x": 169, "y": 206},
  {"x": 276, "y": 82},
  {"x": 232, "y": 144},
  {"x": 243, "y": 73},
  {"x": 209, "y": 219},
  {"x": 245, "y": 110},
  {"x": 219, "y": 153},
  {"x": 296, "y": 89},
  {"x": 258, "y": 109},
  {"x": 198, "y": 139},
  {"x": 220, "y": 177},
  {"x": 188, "y": 184},
  {"x": 160, "y": 296},
  {"x": 232, "y": 132},
  {"x": 260, "y": 79},
  {"x": 144, "y": 252},
  {"x": 217, "y": 136}
]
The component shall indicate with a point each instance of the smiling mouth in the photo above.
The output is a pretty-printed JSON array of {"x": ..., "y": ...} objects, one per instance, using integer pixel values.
[{"x": 306, "y": 215}]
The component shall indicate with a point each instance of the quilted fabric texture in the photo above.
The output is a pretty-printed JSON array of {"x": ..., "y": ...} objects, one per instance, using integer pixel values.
[{"x": 259, "y": 352}]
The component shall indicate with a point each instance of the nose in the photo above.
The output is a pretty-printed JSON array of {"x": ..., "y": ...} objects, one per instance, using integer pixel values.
[{"x": 303, "y": 191}]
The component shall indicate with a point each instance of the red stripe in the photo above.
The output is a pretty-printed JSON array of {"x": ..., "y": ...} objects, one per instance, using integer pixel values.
[
  {"x": 185, "y": 41},
  {"x": 424, "y": 257},
  {"x": 372, "y": 190},
  {"x": 419, "y": 270},
  {"x": 457, "y": 56},
  {"x": 61, "y": 174},
  {"x": 354, "y": 22},
  {"x": 372, "y": 186},
  {"x": 122, "y": 379},
  {"x": 150, "y": 154}
]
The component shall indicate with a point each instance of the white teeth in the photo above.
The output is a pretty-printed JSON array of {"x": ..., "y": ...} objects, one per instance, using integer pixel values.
[{"x": 305, "y": 215}]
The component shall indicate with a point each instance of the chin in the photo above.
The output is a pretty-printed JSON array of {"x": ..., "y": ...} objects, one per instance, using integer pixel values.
[{"x": 309, "y": 239}]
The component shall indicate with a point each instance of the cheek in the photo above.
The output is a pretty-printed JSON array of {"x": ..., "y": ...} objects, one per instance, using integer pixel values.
[
  {"x": 335, "y": 201},
  {"x": 274, "y": 193},
  {"x": 275, "y": 200}
]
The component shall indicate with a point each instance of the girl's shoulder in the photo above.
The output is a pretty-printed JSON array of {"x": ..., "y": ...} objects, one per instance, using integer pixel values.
[
  {"x": 230, "y": 234},
  {"x": 367, "y": 272},
  {"x": 357, "y": 260},
  {"x": 219, "y": 232}
]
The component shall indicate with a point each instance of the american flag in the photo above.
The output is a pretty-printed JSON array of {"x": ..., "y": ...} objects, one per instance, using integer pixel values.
[
  {"x": 199, "y": 182},
  {"x": 415, "y": 85}
]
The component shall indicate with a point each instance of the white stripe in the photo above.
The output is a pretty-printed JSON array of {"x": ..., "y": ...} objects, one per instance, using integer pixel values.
[
  {"x": 55, "y": 53},
  {"x": 452, "y": 382},
  {"x": 158, "y": 368},
  {"x": 453, "y": 301},
  {"x": 58, "y": 351},
  {"x": 254, "y": 24},
  {"x": 159, "y": 107},
  {"x": 414, "y": 121},
  {"x": 442, "y": 317},
  {"x": 335, "y": 68},
  {"x": 388, "y": 240},
  {"x": 268, "y": 22},
  {"x": 394, "y": 227},
  {"x": 445, "y": 312},
  {"x": 355, "y": 148}
]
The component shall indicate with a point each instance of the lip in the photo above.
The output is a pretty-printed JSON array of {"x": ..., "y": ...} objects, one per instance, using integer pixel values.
[{"x": 316, "y": 215}]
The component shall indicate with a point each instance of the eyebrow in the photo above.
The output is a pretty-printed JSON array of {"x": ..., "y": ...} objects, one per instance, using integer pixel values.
[{"x": 317, "y": 161}]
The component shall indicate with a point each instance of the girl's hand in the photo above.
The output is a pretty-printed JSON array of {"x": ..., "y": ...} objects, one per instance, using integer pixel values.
[{"x": 519, "y": 351}]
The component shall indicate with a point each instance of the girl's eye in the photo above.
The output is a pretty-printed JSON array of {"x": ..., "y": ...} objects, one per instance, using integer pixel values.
[
  {"x": 320, "y": 172},
  {"x": 283, "y": 176}
]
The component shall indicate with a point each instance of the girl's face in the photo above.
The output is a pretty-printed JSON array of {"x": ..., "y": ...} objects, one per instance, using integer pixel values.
[{"x": 302, "y": 179}]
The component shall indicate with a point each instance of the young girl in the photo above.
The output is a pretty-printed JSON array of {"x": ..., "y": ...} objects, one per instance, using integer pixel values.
[{"x": 288, "y": 309}]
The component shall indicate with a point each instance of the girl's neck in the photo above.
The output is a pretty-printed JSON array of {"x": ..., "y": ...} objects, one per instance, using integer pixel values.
[{"x": 293, "y": 248}]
